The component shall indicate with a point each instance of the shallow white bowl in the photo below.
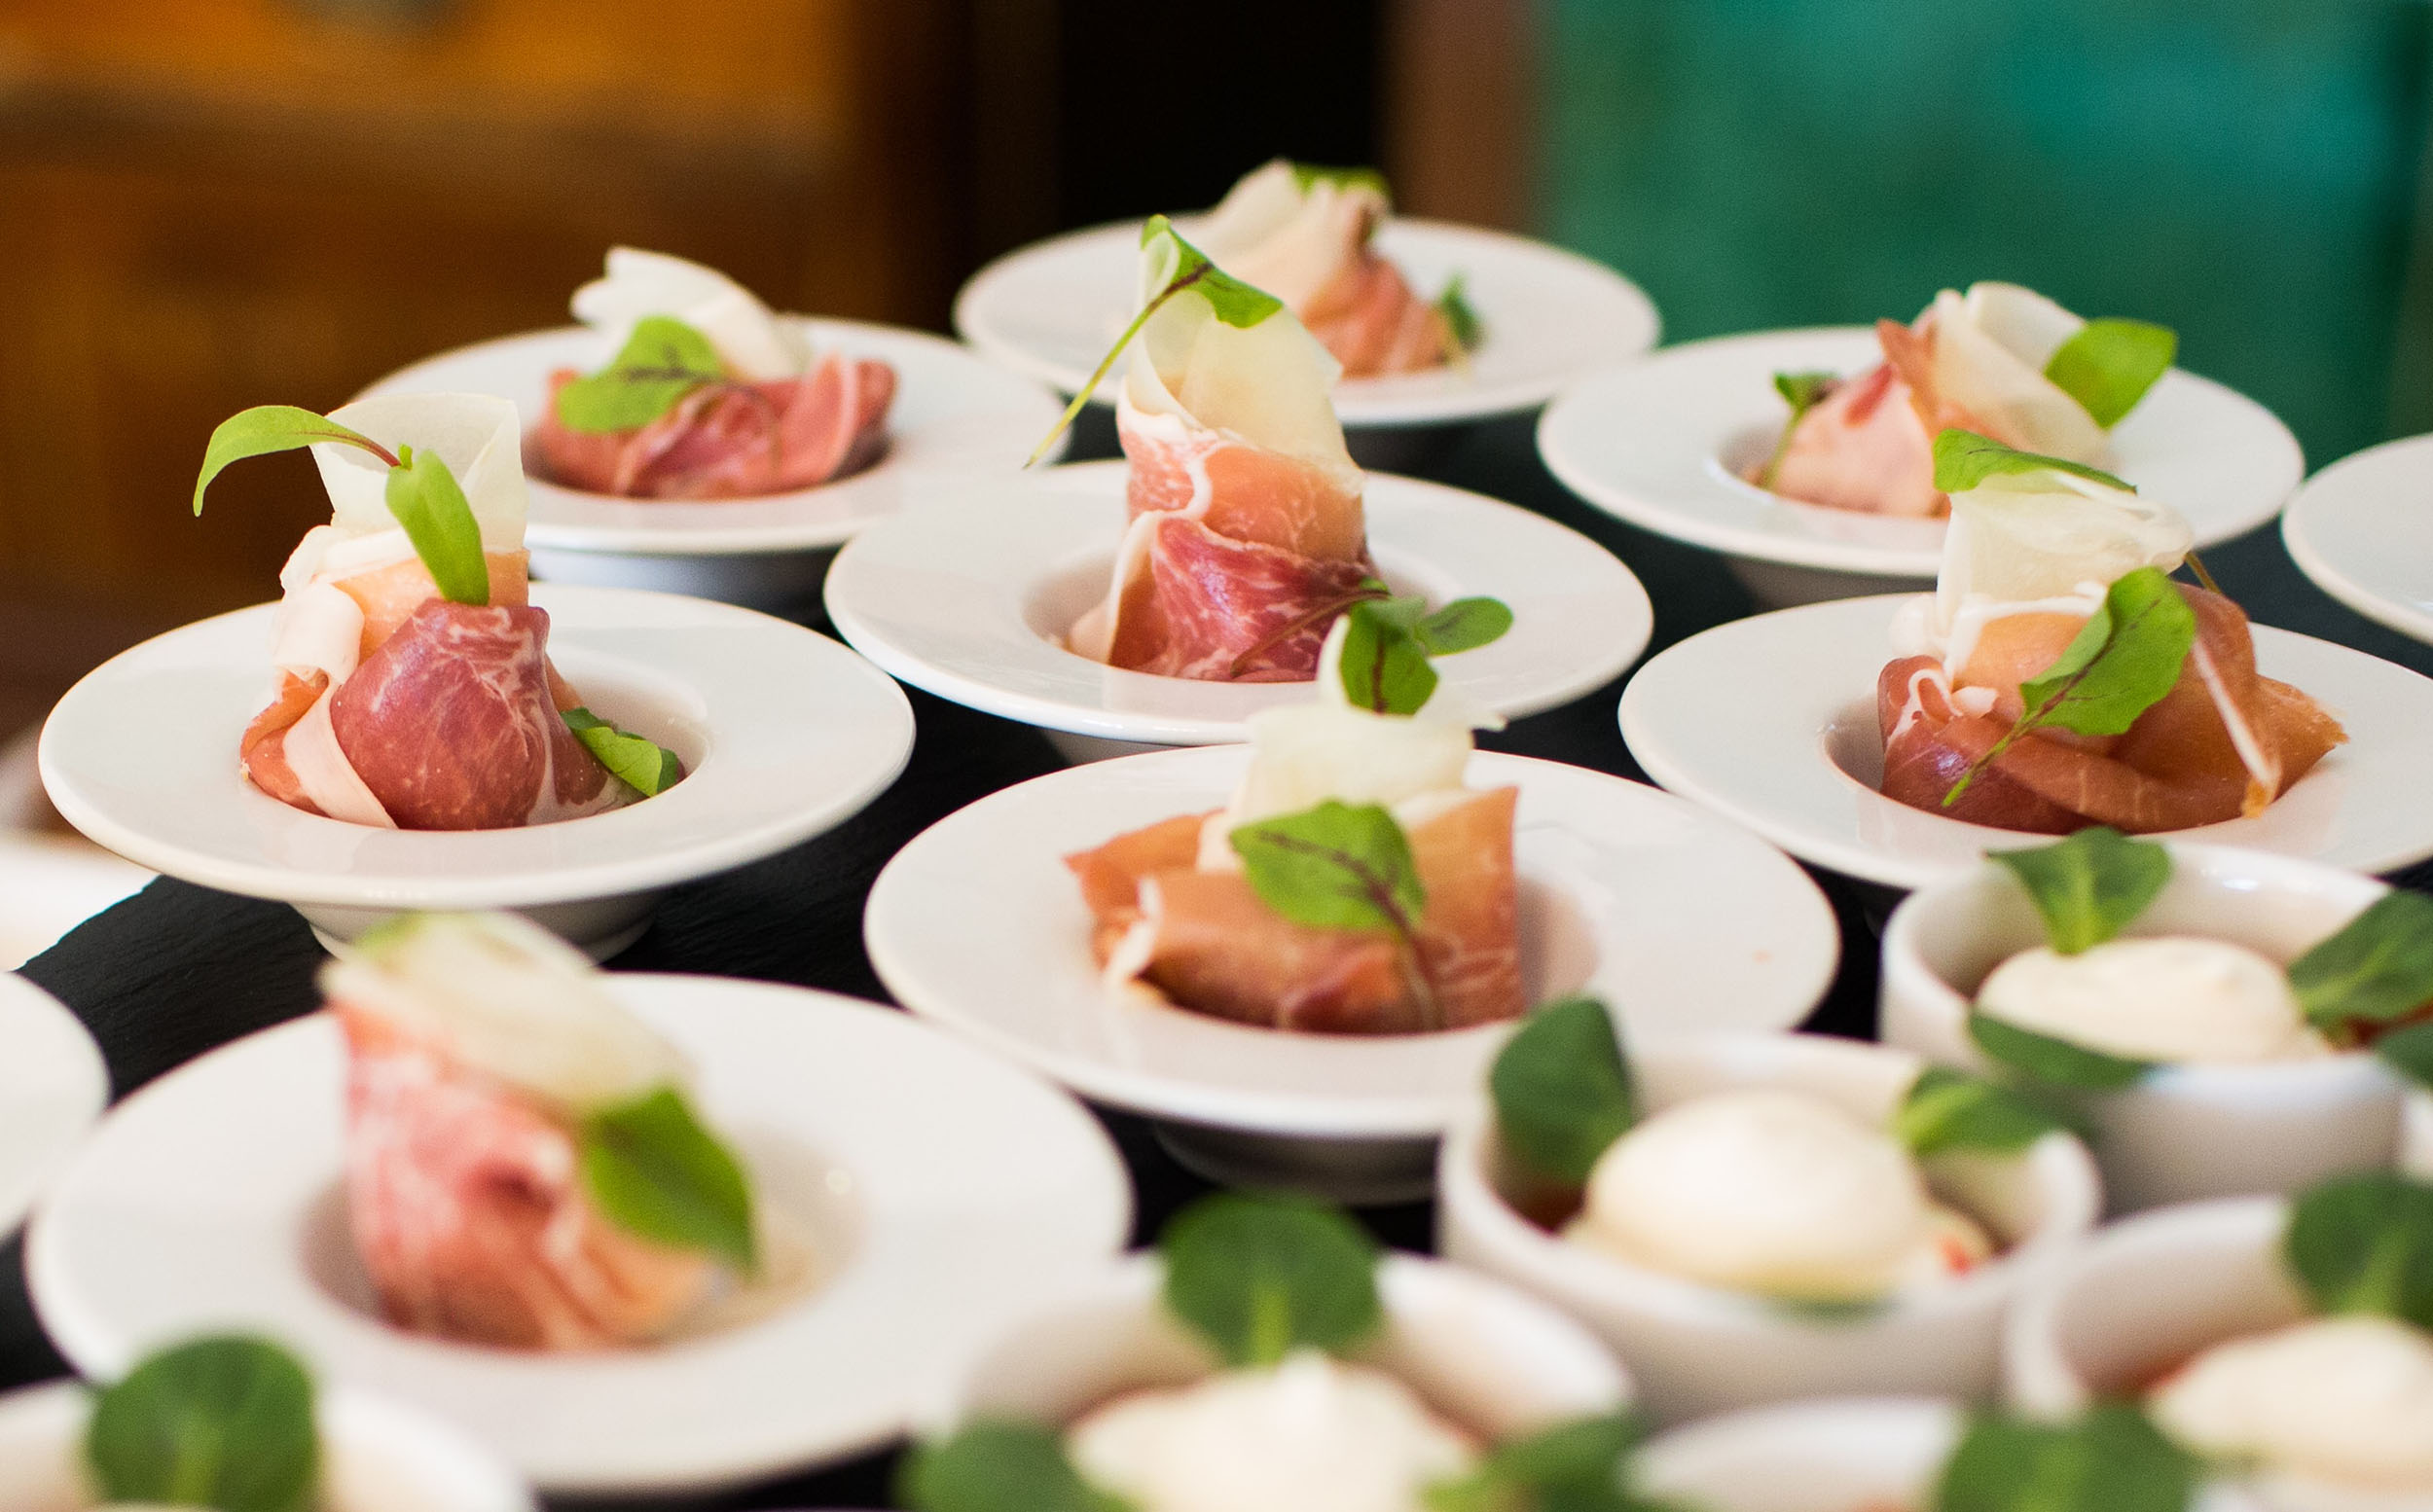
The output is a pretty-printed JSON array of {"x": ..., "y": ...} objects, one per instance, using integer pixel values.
[
  {"x": 1053, "y": 309},
  {"x": 1660, "y": 442},
  {"x": 1492, "y": 1360},
  {"x": 954, "y": 415},
  {"x": 939, "y": 1193},
  {"x": 53, "y": 1085},
  {"x": 1770, "y": 721},
  {"x": 2188, "y": 1131},
  {"x": 2360, "y": 530},
  {"x": 961, "y": 600},
  {"x": 1837, "y": 1455},
  {"x": 783, "y": 732},
  {"x": 1678, "y": 919},
  {"x": 2416, "y": 1137},
  {"x": 1695, "y": 1348},
  {"x": 376, "y": 1456}
]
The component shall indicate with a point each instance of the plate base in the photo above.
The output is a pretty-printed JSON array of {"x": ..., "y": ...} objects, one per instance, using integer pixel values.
[
  {"x": 1361, "y": 1172},
  {"x": 1780, "y": 585},
  {"x": 600, "y": 927},
  {"x": 771, "y": 581}
]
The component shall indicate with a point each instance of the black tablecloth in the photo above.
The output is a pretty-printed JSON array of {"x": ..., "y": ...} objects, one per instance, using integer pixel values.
[{"x": 178, "y": 969}]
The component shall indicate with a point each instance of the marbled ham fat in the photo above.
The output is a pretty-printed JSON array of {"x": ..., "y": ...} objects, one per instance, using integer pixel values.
[{"x": 731, "y": 441}]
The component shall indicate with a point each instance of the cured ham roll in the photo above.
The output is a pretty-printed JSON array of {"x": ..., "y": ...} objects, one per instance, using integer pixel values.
[
  {"x": 2027, "y": 563},
  {"x": 1176, "y": 914},
  {"x": 395, "y": 706},
  {"x": 476, "y": 1046},
  {"x": 1303, "y": 236},
  {"x": 1247, "y": 536},
  {"x": 1973, "y": 361},
  {"x": 776, "y": 418}
]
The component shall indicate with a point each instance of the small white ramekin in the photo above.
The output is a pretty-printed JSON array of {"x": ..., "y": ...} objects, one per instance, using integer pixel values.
[
  {"x": 2416, "y": 1138},
  {"x": 2183, "y": 1131},
  {"x": 1697, "y": 1349}
]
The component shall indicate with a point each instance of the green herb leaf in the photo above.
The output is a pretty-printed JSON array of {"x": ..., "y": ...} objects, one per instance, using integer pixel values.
[
  {"x": 1307, "y": 176},
  {"x": 631, "y": 759},
  {"x": 661, "y": 362},
  {"x": 1384, "y": 666},
  {"x": 1461, "y": 317},
  {"x": 1963, "y": 459},
  {"x": 1337, "y": 866},
  {"x": 224, "y": 1422},
  {"x": 2410, "y": 1051},
  {"x": 1259, "y": 1276},
  {"x": 2049, "y": 1059},
  {"x": 424, "y": 496},
  {"x": 998, "y": 1467},
  {"x": 1575, "y": 1466},
  {"x": 2111, "y": 1460},
  {"x": 273, "y": 427},
  {"x": 2108, "y": 366},
  {"x": 2379, "y": 967},
  {"x": 1562, "y": 1090},
  {"x": 1232, "y": 301},
  {"x": 1950, "y": 1110},
  {"x": 2090, "y": 887},
  {"x": 1464, "y": 625},
  {"x": 1828, "y": 1311},
  {"x": 655, "y": 1172},
  {"x": 2364, "y": 1243},
  {"x": 1802, "y": 391}
]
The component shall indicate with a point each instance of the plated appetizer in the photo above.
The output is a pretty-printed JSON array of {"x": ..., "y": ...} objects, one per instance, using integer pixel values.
[
  {"x": 2001, "y": 361},
  {"x": 1281, "y": 1365},
  {"x": 2058, "y": 677},
  {"x": 413, "y": 687},
  {"x": 1354, "y": 886},
  {"x": 1303, "y": 233},
  {"x": 709, "y": 396}
]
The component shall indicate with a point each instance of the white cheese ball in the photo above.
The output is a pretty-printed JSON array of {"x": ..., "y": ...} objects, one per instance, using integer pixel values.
[
  {"x": 2345, "y": 1400},
  {"x": 1772, "y": 1192},
  {"x": 2171, "y": 998},
  {"x": 1313, "y": 1434}
]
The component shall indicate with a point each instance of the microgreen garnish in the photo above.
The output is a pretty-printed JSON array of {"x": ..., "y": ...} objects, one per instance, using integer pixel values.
[
  {"x": 1575, "y": 1466},
  {"x": 640, "y": 764},
  {"x": 2111, "y": 1460},
  {"x": 1562, "y": 1090},
  {"x": 1341, "y": 866},
  {"x": 1951, "y": 1111},
  {"x": 1307, "y": 176},
  {"x": 661, "y": 362},
  {"x": 656, "y": 1173},
  {"x": 2090, "y": 887},
  {"x": 1802, "y": 391},
  {"x": 2410, "y": 1052},
  {"x": 2119, "y": 665},
  {"x": 1824, "y": 1312},
  {"x": 2377, "y": 969},
  {"x": 1259, "y": 1276},
  {"x": 224, "y": 1422},
  {"x": 1461, "y": 317},
  {"x": 2046, "y": 1059},
  {"x": 998, "y": 1467},
  {"x": 1385, "y": 663},
  {"x": 1229, "y": 299},
  {"x": 421, "y": 492},
  {"x": 2108, "y": 366},
  {"x": 2364, "y": 1243},
  {"x": 1964, "y": 459}
]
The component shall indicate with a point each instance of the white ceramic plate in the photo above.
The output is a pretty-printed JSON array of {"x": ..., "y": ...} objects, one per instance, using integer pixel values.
[
  {"x": 953, "y": 414},
  {"x": 1660, "y": 444},
  {"x": 2363, "y": 530},
  {"x": 1770, "y": 722},
  {"x": 53, "y": 1085},
  {"x": 1682, "y": 922},
  {"x": 1052, "y": 309},
  {"x": 961, "y": 601},
  {"x": 941, "y": 1194},
  {"x": 783, "y": 731}
]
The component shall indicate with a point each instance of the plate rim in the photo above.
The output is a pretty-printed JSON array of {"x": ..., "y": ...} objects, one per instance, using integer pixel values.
[
  {"x": 83, "y": 1065},
  {"x": 2321, "y": 495}
]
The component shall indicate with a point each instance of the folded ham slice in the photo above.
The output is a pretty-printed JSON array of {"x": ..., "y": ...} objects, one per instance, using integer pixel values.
[{"x": 729, "y": 441}]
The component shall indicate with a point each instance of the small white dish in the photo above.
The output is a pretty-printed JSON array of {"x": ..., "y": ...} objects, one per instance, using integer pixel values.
[
  {"x": 1697, "y": 1349},
  {"x": 52, "y": 1087},
  {"x": 1661, "y": 443},
  {"x": 1770, "y": 721},
  {"x": 2360, "y": 530},
  {"x": 954, "y": 415},
  {"x": 938, "y": 1194},
  {"x": 2415, "y": 1134},
  {"x": 1835, "y": 1455},
  {"x": 784, "y": 733},
  {"x": 1053, "y": 309},
  {"x": 1680, "y": 921},
  {"x": 48, "y": 885},
  {"x": 2188, "y": 1131},
  {"x": 376, "y": 1456},
  {"x": 966, "y": 599},
  {"x": 1495, "y": 1361}
]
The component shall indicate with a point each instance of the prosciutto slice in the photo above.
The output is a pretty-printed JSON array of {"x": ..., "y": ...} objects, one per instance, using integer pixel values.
[{"x": 729, "y": 441}]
